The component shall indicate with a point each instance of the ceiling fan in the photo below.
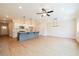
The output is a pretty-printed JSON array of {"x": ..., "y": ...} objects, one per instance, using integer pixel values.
[{"x": 45, "y": 12}]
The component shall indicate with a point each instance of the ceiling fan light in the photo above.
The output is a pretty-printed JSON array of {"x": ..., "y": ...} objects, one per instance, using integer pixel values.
[{"x": 44, "y": 14}]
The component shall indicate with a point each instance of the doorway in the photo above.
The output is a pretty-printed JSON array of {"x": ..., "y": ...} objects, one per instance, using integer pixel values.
[{"x": 4, "y": 29}]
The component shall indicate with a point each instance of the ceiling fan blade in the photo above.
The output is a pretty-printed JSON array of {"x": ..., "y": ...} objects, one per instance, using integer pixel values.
[
  {"x": 39, "y": 13},
  {"x": 43, "y": 10},
  {"x": 50, "y": 11},
  {"x": 48, "y": 15}
]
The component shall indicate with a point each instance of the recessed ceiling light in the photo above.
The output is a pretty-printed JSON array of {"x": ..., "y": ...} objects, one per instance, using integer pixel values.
[{"x": 20, "y": 7}]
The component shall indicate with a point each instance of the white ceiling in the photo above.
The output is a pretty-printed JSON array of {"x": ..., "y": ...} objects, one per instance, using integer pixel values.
[{"x": 30, "y": 9}]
